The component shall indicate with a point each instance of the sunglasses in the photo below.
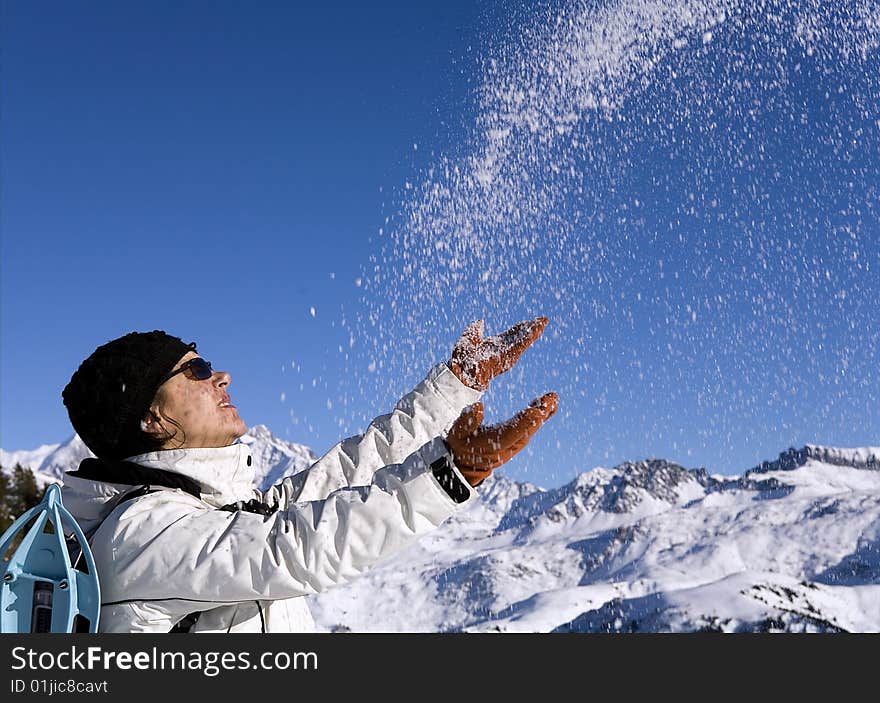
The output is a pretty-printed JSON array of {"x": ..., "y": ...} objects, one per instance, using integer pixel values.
[{"x": 199, "y": 369}]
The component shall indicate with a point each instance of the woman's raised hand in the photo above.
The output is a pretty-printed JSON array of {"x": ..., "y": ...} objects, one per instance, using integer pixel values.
[
  {"x": 476, "y": 360},
  {"x": 478, "y": 449}
]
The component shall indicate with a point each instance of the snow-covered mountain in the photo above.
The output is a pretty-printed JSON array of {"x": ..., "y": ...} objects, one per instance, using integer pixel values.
[
  {"x": 50, "y": 461},
  {"x": 791, "y": 545},
  {"x": 273, "y": 458}
]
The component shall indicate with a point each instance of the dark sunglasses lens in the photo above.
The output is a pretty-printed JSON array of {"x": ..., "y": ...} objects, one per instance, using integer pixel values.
[{"x": 200, "y": 369}]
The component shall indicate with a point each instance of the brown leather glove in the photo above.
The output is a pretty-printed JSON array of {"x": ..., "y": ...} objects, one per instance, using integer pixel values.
[
  {"x": 477, "y": 360},
  {"x": 477, "y": 450}
]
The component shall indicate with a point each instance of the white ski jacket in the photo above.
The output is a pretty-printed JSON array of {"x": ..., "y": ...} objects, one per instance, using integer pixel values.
[{"x": 168, "y": 554}]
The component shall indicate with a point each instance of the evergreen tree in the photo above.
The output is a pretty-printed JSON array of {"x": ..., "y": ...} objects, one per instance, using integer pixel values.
[
  {"x": 5, "y": 496},
  {"x": 25, "y": 489},
  {"x": 19, "y": 492}
]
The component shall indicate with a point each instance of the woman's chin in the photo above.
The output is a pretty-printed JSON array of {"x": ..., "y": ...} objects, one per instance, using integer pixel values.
[{"x": 239, "y": 431}]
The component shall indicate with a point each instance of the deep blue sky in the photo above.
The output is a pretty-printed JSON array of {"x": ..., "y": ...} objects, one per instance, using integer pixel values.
[
  {"x": 204, "y": 168},
  {"x": 218, "y": 170}
]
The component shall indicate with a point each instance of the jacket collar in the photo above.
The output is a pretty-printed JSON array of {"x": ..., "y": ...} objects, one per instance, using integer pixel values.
[{"x": 224, "y": 474}]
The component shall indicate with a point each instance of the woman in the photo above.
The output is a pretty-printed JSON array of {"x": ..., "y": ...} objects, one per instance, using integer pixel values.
[{"x": 182, "y": 541}]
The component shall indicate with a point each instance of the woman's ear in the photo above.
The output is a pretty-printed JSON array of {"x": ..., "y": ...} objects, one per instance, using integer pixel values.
[{"x": 151, "y": 423}]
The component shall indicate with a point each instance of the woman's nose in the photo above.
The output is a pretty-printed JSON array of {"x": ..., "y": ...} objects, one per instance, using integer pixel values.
[{"x": 222, "y": 378}]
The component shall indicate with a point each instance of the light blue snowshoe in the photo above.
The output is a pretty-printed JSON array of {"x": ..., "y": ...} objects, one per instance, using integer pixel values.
[{"x": 40, "y": 588}]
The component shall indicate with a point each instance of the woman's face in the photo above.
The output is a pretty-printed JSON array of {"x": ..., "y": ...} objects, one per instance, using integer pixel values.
[{"x": 202, "y": 409}]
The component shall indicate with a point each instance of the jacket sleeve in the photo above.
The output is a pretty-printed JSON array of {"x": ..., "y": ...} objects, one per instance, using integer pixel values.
[
  {"x": 167, "y": 545},
  {"x": 428, "y": 411}
]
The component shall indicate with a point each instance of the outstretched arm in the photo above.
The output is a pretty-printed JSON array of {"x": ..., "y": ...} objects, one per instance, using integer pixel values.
[
  {"x": 177, "y": 548},
  {"x": 425, "y": 413}
]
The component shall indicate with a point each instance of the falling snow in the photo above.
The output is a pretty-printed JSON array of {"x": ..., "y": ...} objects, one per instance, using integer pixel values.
[{"x": 689, "y": 191}]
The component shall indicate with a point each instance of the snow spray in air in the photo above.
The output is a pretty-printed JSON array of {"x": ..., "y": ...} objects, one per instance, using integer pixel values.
[{"x": 688, "y": 190}]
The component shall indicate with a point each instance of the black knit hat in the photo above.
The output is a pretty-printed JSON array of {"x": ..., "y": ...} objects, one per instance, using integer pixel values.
[{"x": 111, "y": 391}]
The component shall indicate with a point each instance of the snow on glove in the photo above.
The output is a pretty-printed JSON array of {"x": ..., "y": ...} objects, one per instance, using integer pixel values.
[
  {"x": 476, "y": 360},
  {"x": 477, "y": 450}
]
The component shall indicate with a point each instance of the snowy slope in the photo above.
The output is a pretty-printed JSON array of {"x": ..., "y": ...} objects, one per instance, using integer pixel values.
[{"x": 791, "y": 545}]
